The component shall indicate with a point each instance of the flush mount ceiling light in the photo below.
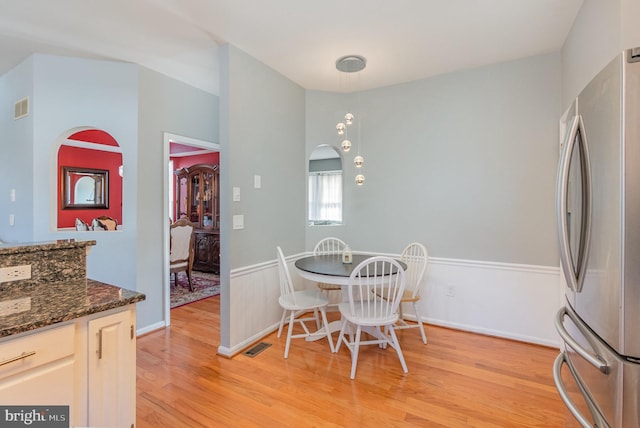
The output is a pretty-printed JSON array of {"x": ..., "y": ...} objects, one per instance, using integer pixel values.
[{"x": 351, "y": 64}]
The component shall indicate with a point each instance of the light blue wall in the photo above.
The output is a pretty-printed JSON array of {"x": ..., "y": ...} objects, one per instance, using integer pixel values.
[
  {"x": 593, "y": 41},
  {"x": 16, "y": 158},
  {"x": 262, "y": 122},
  {"x": 601, "y": 30},
  {"x": 75, "y": 92},
  {"x": 165, "y": 105},
  {"x": 463, "y": 162},
  {"x": 133, "y": 104},
  {"x": 264, "y": 135}
]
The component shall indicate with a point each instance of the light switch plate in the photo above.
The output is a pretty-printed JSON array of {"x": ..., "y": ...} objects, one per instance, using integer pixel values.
[
  {"x": 236, "y": 194},
  {"x": 238, "y": 221},
  {"x": 257, "y": 181}
]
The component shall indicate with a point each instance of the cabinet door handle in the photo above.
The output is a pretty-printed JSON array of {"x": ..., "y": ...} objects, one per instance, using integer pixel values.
[
  {"x": 18, "y": 357},
  {"x": 99, "y": 351}
]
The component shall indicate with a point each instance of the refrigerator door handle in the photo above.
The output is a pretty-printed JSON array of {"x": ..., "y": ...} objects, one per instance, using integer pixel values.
[
  {"x": 593, "y": 359},
  {"x": 574, "y": 279},
  {"x": 599, "y": 421}
]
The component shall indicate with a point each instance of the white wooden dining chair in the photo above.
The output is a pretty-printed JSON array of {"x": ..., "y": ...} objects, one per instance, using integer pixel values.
[
  {"x": 416, "y": 257},
  {"x": 296, "y": 303},
  {"x": 374, "y": 292},
  {"x": 329, "y": 245}
]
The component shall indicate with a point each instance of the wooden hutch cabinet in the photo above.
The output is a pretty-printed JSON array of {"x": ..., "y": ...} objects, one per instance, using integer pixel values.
[{"x": 198, "y": 199}]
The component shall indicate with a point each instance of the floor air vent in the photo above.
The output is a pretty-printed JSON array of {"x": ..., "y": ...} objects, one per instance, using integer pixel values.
[
  {"x": 21, "y": 108},
  {"x": 255, "y": 350}
]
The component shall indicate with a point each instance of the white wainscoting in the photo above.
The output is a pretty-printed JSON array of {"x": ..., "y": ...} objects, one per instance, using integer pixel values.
[
  {"x": 254, "y": 312},
  {"x": 506, "y": 300}
]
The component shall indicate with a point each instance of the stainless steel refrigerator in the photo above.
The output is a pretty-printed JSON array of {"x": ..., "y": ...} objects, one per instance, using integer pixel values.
[{"x": 598, "y": 212}]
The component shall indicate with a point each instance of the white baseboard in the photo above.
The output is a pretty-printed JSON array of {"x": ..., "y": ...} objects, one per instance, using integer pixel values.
[
  {"x": 486, "y": 332},
  {"x": 153, "y": 327},
  {"x": 236, "y": 349}
]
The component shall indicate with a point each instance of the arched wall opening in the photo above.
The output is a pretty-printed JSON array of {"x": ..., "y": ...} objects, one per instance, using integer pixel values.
[{"x": 90, "y": 149}]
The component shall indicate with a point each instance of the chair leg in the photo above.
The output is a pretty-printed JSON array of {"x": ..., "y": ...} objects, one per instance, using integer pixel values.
[
  {"x": 284, "y": 314},
  {"x": 381, "y": 345},
  {"x": 341, "y": 335},
  {"x": 189, "y": 280},
  {"x": 289, "y": 333},
  {"x": 396, "y": 345},
  {"x": 421, "y": 326},
  {"x": 354, "y": 352},
  {"x": 325, "y": 323},
  {"x": 317, "y": 318}
]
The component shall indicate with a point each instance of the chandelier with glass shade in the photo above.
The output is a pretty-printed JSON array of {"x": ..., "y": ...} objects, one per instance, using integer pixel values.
[{"x": 349, "y": 64}]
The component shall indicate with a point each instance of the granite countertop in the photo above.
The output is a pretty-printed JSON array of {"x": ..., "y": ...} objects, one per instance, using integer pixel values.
[
  {"x": 29, "y": 247},
  {"x": 53, "y": 303}
]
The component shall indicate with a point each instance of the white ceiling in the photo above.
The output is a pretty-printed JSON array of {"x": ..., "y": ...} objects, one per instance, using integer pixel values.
[{"x": 403, "y": 40}]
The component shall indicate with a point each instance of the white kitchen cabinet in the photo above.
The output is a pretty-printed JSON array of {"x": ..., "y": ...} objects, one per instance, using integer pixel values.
[
  {"x": 88, "y": 364},
  {"x": 112, "y": 370},
  {"x": 37, "y": 368}
]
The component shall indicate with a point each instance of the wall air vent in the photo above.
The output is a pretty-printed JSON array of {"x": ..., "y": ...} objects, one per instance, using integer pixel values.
[{"x": 21, "y": 108}]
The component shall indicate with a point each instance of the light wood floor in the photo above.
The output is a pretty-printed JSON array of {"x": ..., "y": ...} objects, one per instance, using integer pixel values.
[{"x": 458, "y": 380}]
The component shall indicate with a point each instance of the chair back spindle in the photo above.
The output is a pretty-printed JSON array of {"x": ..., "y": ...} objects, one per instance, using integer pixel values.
[
  {"x": 329, "y": 245},
  {"x": 415, "y": 256},
  {"x": 286, "y": 283},
  {"x": 375, "y": 289}
]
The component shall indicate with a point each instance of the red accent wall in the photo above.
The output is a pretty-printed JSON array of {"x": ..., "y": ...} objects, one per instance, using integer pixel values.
[
  {"x": 95, "y": 136},
  {"x": 88, "y": 158},
  {"x": 186, "y": 161}
]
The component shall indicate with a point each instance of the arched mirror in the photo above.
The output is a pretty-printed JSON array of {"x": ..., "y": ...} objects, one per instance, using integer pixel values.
[
  {"x": 325, "y": 186},
  {"x": 85, "y": 188}
]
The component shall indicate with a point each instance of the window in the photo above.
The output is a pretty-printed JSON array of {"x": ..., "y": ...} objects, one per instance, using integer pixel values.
[{"x": 325, "y": 197}]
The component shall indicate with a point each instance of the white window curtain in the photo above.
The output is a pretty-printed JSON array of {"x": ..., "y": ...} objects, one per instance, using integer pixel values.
[{"x": 325, "y": 197}]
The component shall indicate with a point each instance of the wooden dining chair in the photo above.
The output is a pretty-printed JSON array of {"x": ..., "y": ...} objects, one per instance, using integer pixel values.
[
  {"x": 104, "y": 223},
  {"x": 181, "y": 251},
  {"x": 374, "y": 290}
]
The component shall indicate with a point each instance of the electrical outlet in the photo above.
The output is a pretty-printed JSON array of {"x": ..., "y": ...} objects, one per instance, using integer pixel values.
[
  {"x": 15, "y": 273},
  {"x": 451, "y": 291},
  {"x": 9, "y": 307}
]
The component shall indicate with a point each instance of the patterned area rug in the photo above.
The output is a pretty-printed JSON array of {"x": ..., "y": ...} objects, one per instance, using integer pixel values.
[{"x": 204, "y": 285}]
